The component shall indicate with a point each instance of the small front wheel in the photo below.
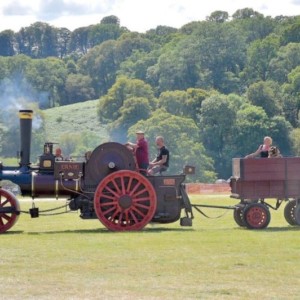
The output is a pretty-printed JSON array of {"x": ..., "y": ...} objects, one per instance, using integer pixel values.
[
  {"x": 256, "y": 216},
  {"x": 9, "y": 210}
]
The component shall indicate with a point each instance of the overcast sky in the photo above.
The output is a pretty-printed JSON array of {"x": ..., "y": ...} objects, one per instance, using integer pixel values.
[{"x": 136, "y": 15}]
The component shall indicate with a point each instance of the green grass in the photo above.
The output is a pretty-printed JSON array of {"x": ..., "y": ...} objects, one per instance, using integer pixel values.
[
  {"x": 64, "y": 257},
  {"x": 74, "y": 118}
]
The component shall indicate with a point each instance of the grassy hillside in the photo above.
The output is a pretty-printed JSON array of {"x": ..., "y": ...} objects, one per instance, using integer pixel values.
[{"x": 75, "y": 118}]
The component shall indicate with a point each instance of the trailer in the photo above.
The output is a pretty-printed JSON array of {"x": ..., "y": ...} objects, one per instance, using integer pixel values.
[{"x": 256, "y": 182}]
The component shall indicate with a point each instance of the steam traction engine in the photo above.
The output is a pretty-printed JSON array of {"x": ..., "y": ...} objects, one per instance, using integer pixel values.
[{"x": 105, "y": 186}]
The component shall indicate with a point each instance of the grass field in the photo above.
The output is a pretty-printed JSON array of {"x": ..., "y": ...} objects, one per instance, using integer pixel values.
[{"x": 64, "y": 257}]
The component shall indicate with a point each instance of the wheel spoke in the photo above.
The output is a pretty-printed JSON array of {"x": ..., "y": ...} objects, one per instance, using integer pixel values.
[
  {"x": 138, "y": 211},
  {"x": 109, "y": 210},
  {"x": 141, "y": 206},
  {"x": 1, "y": 221},
  {"x": 129, "y": 185},
  {"x": 116, "y": 186},
  {"x": 6, "y": 217},
  {"x": 114, "y": 215},
  {"x": 114, "y": 203},
  {"x": 140, "y": 192},
  {"x": 127, "y": 218},
  {"x": 133, "y": 216},
  {"x": 113, "y": 192},
  {"x": 123, "y": 185},
  {"x": 107, "y": 197},
  {"x": 135, "y": 200},
  {"x": 5, "y": 202},
  {"x": 134, "y": 189}
]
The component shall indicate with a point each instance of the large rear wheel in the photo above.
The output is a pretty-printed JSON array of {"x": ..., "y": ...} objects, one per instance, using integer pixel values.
[
  {"x": 125, "y": 200},
  {"x": 256, "y": 216},
  {"x": 9, "y": 210}
]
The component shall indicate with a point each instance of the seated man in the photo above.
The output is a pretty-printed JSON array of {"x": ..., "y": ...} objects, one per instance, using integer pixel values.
[
  {"x": 58, "y": 154},
  {"x": 161, "y": 162}
]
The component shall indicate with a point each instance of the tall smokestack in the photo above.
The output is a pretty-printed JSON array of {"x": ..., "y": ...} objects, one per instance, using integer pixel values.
[{"x": 25, "y": 134}]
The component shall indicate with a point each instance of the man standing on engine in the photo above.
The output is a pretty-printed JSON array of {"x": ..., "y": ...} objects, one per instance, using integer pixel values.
[{"x": 140, "y": 149}]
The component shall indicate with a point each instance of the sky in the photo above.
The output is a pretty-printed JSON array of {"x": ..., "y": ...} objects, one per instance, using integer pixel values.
[{"x": 136, "y": 15}]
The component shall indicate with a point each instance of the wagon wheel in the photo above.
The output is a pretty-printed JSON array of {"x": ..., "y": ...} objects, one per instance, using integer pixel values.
[
  {"x": 256, "y": 216},
  {"x": 289, "y": 212},
  {"x": 125, "y": 200},
  {"x": 297, "y": 213},
  {"x": 10, "y": 207},
  {"x": 238, "y": 215}
]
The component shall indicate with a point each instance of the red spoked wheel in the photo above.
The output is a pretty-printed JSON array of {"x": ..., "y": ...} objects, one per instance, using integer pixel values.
[
  {"x": 125, "y": 200},
  {"x": 9, "y": 210},
  {"x": 256, "y": 216}
]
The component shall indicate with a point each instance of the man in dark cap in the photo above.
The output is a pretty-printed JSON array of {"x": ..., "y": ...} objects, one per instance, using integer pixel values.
[{"x": 140, "y": 148}]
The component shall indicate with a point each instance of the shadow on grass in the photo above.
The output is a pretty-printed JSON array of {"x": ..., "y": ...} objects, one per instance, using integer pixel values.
[
  {"x": 12, "y": 232},
  {"x": 272, "y": 229},
  {"x": 103, "y": 231}
]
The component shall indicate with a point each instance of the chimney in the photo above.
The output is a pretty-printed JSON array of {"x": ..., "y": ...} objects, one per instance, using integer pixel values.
[{"x": 25, "y": 134}]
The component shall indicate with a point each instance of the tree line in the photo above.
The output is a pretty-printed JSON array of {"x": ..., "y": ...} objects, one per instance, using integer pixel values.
[{"x": 215, "y": 87}]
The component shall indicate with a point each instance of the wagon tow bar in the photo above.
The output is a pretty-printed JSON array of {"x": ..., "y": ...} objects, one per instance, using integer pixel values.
[{"x": 197, "y": 207}]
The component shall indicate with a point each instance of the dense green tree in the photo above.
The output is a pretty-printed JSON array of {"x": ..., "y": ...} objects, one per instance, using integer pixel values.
[
  {"x": 130, "y": 42},
  {"x": 287, "y": 58},
  {"x": 132, "y": 110},
  {"x": 182, "y": 139},
  {"x": 291, "y": 33},
  {"x": 63, "y": 36},
  {"x": 259, "y": 55},
  {"x": 251, "y": 125},
  {"x": 174, "y": 102},
  {"x": 246, "y": 13},
  {"x": 78, "y": 88},
  {"x": 3, "y": 67},
  {"x": 38, "y": 40},
  {"x": 266, "y": 94},
  {"x": 138, "y": 64},
  {"x": 218, "y": 16},
  {"x": 252, "y": 24},
  {"x": 79, "y": 42},
  {"x": 161, "y": 34},
  {"x": 217, "y": 124},
  {"x": 48, "y": 77},
  {"x": 291, "y": 105},
  {"x": 219, "y": 50},
  {"x": 101, "y": 65},
  {"x": 124, "y": 88},
  {"x": 279, "y": 130},
  {"x": 7, "y": 41},
  {"x": 295, "y": 141},
  {"x": 103, "y": 32},
  {"x": 110, "y": 20}
]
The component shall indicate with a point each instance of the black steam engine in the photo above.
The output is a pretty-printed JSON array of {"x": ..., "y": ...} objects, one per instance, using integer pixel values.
[{"x": 106, "y": 186}]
